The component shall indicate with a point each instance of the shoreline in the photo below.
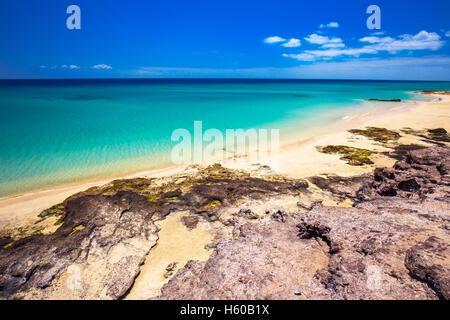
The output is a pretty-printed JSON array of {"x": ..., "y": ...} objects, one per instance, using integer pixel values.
[
  {"x": 290, "y": 136},
  {"x": 22, "y": 209}
]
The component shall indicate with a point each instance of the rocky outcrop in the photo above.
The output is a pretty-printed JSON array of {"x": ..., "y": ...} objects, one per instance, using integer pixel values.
[
  {"x": 370, "y": 243},
  {"x": 107, "y": 232},
  {"x": 385, "y": 100},
  {"x": 267, "y": 261},
  {"x": 391, "y": 245},
  {"x": 414, "y": 177},
  {"x": 426, "y": 261},
  {"x": 101, "y": 244}
]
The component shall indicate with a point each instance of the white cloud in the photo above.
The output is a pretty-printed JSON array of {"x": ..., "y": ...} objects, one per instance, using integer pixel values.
[
  {"x": 292, "y": 43},
  {"x": 376, "y": 39},
  {"x": 101, "y": 67},
  {"x": 300, "y": 56},
  {"x": 447, "y": 34},
  {"x": 72, "y": 66},
  {"x": 422, "y": 41},
  {"x": 329, "y": 25},
  {"x": 378, "y": 33},
  {"x": 274, "y": 39},
  {"x": 333, "y": 45},
  {"x": 316, "y": 39},
  {"x": 340, "y": 52},
  {"x": 43, "y": 67},
  {"x": 333, "y": 25}
]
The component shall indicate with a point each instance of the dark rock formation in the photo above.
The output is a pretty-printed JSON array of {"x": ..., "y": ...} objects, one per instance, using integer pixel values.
[
  {"x": 385, "y": 100},
  {"x": 426, "y": 261},
  {"x": 381, "y": 135},
  {"x": 353, "y": 156},
  {"x": 413, "y": 177},
  {"x": 439, "y": 134},
  {"x": 399, "y": 152},
  {"x": 268, "y": 261},
  {"x": 434, "y": 92},
  {"x": 107, "y": 231},
  {"x": 94, "y": 227},
  {"x": 387, "y": 247},
  {"x": 341, "y": 187}
]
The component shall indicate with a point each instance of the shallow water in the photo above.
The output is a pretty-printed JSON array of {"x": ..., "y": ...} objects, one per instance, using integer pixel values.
[{"x": 55, "y": 132}]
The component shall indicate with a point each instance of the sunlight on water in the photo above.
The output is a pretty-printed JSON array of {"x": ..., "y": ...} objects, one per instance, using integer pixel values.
[{"x": 62, "y": 132}]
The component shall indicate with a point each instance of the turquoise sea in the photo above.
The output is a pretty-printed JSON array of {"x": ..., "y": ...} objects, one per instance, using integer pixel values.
[{"x": 54, "y": 132}]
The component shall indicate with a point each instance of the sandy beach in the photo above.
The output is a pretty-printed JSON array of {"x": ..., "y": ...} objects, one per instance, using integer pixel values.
[{"x": 298, "y": 158}]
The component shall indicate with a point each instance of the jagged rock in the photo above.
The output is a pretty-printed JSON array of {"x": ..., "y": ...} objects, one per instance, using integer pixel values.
[
  {"x": 399, "y": 152},
  {"x": 378, "y": 249},
  {"x": 340, "y": 187},
  {"x": 413, "y": 177},
  {"x": 267, "y": 261},
  {"x": 430, "y": 261},
  {"x": 107, "y": 232},
  {"x": 104, "y": 254}
]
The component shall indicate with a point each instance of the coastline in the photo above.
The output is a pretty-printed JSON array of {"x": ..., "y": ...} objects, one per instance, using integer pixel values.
[{"x": 298, "y": 157}]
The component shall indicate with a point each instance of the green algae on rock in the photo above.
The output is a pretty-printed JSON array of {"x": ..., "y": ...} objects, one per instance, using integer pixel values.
[
  {"x": 439, "y": 134},
  {"x": 353, "y": 156},
  {"x": 430, "y": 135},
  {"x": 382, "y": 135}
]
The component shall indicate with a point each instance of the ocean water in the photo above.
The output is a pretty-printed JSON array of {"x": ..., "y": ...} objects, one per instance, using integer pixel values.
[{"x": 55, "y": 132}]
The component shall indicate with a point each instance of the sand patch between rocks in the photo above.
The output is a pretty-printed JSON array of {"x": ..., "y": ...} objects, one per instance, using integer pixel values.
[{"x": 175, "y": 244}]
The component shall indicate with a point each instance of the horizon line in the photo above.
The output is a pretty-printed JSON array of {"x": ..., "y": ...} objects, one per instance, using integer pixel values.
[{"x": 218, "y": 78}]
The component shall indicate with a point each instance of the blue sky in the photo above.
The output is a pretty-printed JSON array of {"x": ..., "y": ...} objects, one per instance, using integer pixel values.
[{"x": 232, "y": 39}]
